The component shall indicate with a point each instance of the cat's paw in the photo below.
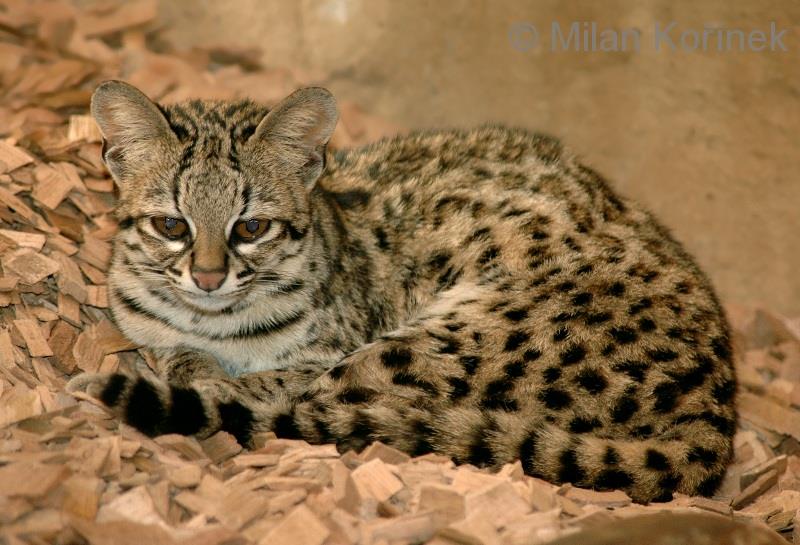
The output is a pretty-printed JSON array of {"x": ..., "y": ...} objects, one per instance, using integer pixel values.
[{"x": 99, "y": 386}]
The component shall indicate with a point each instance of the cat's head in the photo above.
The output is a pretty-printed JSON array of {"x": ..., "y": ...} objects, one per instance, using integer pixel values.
[{"x": 214, "y": 196}]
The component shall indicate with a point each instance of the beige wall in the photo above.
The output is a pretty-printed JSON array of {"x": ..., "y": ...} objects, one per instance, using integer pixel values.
[{"x": 709, "y": 141}]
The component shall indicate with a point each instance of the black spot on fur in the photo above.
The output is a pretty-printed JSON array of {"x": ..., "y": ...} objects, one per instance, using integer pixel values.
[
  {"x": 723, "y": 425},
  {"x": 480, "y": 453},
  {"x": 642, "y": 432},
  {"x": 454, "y": 326},
  {"x": 649, "y": 276},
  {"x": 470, "y": 363},
  {"x": 646, "y": 325},
  {"x": 515, "y": 369},
  {"x": 551, "y": 374},
  {"x": 666, "y": 396},
  {"x": 570, "y": 471},
  {"x": 450, "y": 346},
  {"x": 668, "y": 484},
  {"x": 585, "y": 269},
  {"x": 573, "y": 355},
  {"x": 438, "y": 260},
  {"x": 565, "y": 317},
  {"x": 538, "y": 234},
  {"x": 186, "y": 413},
  {"x": 580, "y": 424},
  {"x": 617, "y": 289},
  {"x": 613, "y": 479},
  {"x": 642, "y": 304},
  {"x": 351, "y": 199},
  {"x": 724, "y": 391},
  {"x": 531, "y": 355},
  {"x": 704, "y": 456},
  {"x": 696, "y": 376},
  {"x": 396, "y": 357},
  {"x": 625, "y": 408},
  {"x": 361, "y": 434},
  {"x": 423, "y": 433},
  {"x": 356, "y": 395},
  {"x": 479, "y": 234},
  {"x": 495, "y": 396},
  {"x": 598, "y": 318},
  {"x": 112, "y": 392},
  {"x": 721, "y": 347},
  {"x": 489, "y": 254},
  {"x": 516, "y": 315},
  {"x": 611, "y": 456},
  {"x": 583, "y": 298},
  {"x": 710, "y": 485},
  {"x": 145, "y": 411},
  {"x": 527, "y": 453},
  {"x": 623, "y": 335},
  {"x": 662, "y": 354},
  {"x": 459, "y": 388},
  {"x": 656, "y": 460},
  {"x": 565, "y": 286},
  {"x": 515, "y": 339},
  {"x": 238, "y": 420},
  {"x": 381, "y": 238},
  {"x": 634, "y": 369},
  {"x": 561, "y": 334},
  {"x": 591, "y": 380},
  {"x": 337, "y": 372},
  {"x": 554, "y": 398},
  {"x": 403, "y": 378}
]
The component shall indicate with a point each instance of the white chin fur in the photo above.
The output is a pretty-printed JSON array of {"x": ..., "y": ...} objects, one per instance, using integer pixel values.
[{"x": 209, "y": 303}]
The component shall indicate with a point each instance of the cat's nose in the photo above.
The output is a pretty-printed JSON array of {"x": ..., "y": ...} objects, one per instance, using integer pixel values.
[{"x": 208, "y": 280}]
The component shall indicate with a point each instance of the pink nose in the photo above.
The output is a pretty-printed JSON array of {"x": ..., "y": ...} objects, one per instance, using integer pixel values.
[{"x": 208, "y": 280}]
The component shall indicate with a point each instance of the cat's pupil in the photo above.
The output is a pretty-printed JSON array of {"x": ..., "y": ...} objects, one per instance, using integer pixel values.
[
  {"x": 251, "y": 226},
  {"x": 170, "y": 223}
]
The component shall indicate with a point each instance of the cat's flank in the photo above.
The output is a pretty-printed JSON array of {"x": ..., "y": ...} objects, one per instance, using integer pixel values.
[{"x": 479, "y": 294}]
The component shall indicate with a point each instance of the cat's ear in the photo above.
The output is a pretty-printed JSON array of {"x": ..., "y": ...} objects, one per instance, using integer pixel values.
[
  {"x": 133, "y": 127},
  {"x": 300, "y": 127}
]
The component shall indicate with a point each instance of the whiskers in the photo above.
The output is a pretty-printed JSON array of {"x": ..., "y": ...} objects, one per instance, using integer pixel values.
[{"x": 276, "y": 282}]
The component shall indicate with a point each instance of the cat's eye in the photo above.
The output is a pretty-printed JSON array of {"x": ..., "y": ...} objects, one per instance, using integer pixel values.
[
  {"x": 249, "y": 230},
  {"x": 172, "y": 228}
]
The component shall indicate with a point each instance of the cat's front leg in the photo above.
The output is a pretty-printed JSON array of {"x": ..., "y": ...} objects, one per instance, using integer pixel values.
[
  {"x": 193, "y": 395},
  {"x": 181, "y": 367}
]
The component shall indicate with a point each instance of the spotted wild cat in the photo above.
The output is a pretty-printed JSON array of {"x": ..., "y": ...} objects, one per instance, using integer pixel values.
[{"x": 479, "y": 294}]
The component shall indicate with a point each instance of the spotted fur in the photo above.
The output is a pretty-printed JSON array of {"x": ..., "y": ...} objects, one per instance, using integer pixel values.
[{"x": 479, "y": 294}]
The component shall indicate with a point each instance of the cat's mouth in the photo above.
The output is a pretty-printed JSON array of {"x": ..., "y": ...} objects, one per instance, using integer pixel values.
[{"x": 208, "y": 302}]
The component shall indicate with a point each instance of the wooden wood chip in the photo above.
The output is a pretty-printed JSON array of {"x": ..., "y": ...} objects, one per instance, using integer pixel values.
[
  {"x": 374, "y": 479},
  {"x": 25, "y": 240},
  {"x": 300, "y": 527},
  {"x": 37, "y": 344},
  {"x": 29, "y": 266},
  {"x": 221, "y": 446},
  {"x": 769, "y": 414},
  {"x": 8, "y": 283},
  {"x": 52, "y": 187},
  {"x": 17, "y": 479},
  {"x": 83, "y": 128},
  {"x": 12, "y": 157},
  {"x": 758, "y": 487}
]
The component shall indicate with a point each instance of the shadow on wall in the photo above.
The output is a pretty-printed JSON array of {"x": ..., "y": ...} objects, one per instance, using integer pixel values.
[{"x": 707, "y": 139}]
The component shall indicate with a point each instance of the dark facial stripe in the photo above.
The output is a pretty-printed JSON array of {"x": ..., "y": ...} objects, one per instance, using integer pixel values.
[
  {"x": 135, "y": 307},
  {"x": 268, "y": 327}
]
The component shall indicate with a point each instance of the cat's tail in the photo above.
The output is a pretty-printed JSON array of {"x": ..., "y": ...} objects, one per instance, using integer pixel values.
[{"x": 690, "y": 457}]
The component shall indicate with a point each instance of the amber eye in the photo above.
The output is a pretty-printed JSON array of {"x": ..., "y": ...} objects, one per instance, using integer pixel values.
[
  {"x": 250, "y": 230},
  {"x": 172, "y": 228}
]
